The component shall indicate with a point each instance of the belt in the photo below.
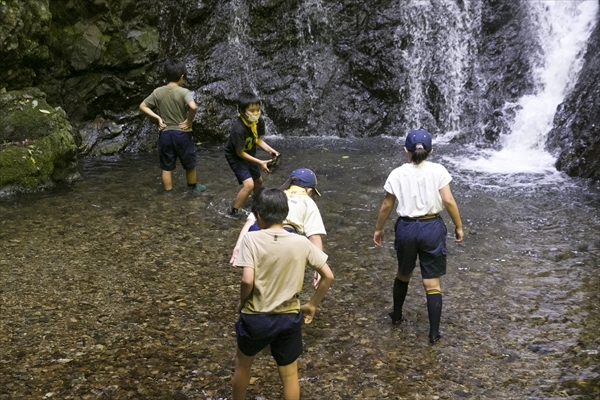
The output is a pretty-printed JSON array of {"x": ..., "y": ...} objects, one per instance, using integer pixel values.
[
  {"x": 290, "y": 227},
  {"x": 423, "y": 218}
]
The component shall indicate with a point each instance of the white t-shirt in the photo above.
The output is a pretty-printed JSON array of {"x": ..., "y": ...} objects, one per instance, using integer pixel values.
[
  {"x": 304, "y": 214},
  {"x": 417, "y": 188}
]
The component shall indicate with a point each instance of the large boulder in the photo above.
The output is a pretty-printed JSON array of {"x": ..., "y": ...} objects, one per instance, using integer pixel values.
[{"x": 37, "y": 147}]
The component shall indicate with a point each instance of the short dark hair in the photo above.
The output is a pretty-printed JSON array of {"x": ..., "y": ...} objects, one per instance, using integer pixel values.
[
  {"x": 246, "y": 99},
  {"x": 272, "y": 206},
  {"x": 173, "y": 70}
]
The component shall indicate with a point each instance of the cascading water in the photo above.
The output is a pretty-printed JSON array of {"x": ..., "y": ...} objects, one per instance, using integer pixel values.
[
  {"x": 436, "y": 46},
  {"x": 564, "y": 28}
]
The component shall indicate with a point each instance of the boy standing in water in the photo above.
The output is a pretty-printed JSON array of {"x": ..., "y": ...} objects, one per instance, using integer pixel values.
[
  {"x": 175, "y": 110},
  {"x": 273, "y": 262},
  {"x": 240, "y": 150},
  {"x": 423, "y": 191}
]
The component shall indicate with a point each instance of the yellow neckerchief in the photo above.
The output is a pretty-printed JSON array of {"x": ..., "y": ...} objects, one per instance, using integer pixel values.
[
  {"x": 294, "y": 190},
  {"x": 251, "y": 125}
]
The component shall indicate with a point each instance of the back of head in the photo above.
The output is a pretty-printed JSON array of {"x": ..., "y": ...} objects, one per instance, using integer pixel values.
[
  {"x": 418, "y": 143},
  {"x": 246, "y": 99},
  {"x": 271, "y": 205},
  {"x": 302, "y": 177},
  {"x": 173, "y": 70}
]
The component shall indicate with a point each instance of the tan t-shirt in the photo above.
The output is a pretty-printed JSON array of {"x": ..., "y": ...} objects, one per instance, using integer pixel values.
[
  {"x": 279, "y": 259},
  {"x": 170, "y": 102}
]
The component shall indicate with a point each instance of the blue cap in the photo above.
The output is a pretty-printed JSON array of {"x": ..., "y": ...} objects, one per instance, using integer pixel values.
[
  {"x": 304, "y": 177},
  {"x": 418, "y": 136}
]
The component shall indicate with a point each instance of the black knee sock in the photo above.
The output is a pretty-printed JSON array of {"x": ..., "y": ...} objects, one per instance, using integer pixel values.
[
  {"x": 400, "y": 290},
  {"x": 434, "y": 308}
]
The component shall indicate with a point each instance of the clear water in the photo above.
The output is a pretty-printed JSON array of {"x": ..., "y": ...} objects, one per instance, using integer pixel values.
[{"x": 110, "y": 288}]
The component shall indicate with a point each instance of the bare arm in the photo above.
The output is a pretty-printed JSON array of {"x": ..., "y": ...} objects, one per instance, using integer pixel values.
[
  {"x": 187, "y": 124},
  {"x": 148, "y": 111},
  {"x": 238, "y": 244},
  {"x": 452, "y": 209},
  {"x": 263, "y": 145},
  {"x": 246, "y": 286},
  {"x": 262, "y": 163},
  {"x": 384, "y": 212},
  {"x": 309, "y": 309},
  {"x": 317, "y": 241}
]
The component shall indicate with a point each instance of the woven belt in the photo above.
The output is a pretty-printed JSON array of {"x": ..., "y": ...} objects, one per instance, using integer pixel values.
[
  {"x": 292, "y": 227},
  {"x": 423, "y": 218}
]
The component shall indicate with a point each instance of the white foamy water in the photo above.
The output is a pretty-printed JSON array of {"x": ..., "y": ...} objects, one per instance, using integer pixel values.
[{"x": 565, "y": 27}]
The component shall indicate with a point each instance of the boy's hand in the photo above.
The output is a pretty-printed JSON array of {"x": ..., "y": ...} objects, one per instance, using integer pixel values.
[
  {"x": 263, "y": 165},
  {"x": 308, "y": 311},
  {"x": 185, "y": 125},
  {"x": 161, "y": 124},
  {"x": 378, "y": 237}
]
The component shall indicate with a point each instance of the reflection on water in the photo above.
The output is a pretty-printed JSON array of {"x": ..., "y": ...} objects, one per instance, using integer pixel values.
[{"x": 111, "y": 289}]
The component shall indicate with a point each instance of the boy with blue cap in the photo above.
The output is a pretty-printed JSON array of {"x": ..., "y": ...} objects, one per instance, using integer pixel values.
[{"x": 303, "y": 217}]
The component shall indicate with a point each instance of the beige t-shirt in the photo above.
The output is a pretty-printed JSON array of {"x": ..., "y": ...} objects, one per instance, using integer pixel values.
[
  {"x": 170, "y": 102},
  {"x": 417, "y": 188},
  {"x": 279, "y": 259}
]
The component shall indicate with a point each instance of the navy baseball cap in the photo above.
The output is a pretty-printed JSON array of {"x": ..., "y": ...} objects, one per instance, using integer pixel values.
[
  {"x": 302, "y": 177},
  {"x": 418, "y": 136}
]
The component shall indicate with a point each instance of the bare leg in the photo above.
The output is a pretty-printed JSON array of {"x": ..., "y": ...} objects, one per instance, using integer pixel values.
[
  {"x": 241, "y": 376},
  {"x": 257, "y": 185},
  {"x": 190, "y": 176},
  {"x": 244, "y": 193},
  {"x": 167, "y": 180},
  {"x": 289, "y": 379}
]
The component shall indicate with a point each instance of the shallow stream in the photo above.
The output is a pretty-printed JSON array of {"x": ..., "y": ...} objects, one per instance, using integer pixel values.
[{"x": 110, "y": 289}]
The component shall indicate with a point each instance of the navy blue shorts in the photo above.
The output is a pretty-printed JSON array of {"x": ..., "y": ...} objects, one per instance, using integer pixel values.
[
  {"x": 283, "y": 332},
  {"x": 174, "y": 144},
  {"x": 426, "y": 239},
  {"x": 243, "y": 169}
]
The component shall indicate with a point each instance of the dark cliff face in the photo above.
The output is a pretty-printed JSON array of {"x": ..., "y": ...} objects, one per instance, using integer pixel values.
[
  {"x": 340, "y": 68},
  {"x": 575, "y": 138}
]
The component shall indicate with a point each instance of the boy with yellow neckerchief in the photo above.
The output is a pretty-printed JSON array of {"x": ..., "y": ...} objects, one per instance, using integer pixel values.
[{"x": 246, "y": 133}]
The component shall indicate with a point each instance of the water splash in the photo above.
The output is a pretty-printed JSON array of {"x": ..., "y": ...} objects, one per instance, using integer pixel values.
[{"x": 564, "y": 29}]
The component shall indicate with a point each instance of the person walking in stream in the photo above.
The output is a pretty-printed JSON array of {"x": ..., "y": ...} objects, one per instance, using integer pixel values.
[
  {"x": 174, "y": 111},
  {"x": 246, "y": 134},
  {"x": 422, "y": 189}
]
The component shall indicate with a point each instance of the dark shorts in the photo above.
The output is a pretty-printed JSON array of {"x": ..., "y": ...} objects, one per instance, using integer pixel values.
[
  {"x": 283, "y": 332},
  {"x": 173, "y": 145},
  {"x": 243, "y": 169},
  {"x": 426, "y": 239}
]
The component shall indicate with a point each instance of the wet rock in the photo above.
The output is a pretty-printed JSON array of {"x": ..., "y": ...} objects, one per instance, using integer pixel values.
[
  {"x": 575, "y": 138},
  {"x": 37, "y": 147}
]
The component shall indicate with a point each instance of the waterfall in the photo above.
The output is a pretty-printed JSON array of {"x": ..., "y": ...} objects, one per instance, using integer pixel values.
[
  {"x": 436, "y": 46},
  {"x": 563, "y": 31}
]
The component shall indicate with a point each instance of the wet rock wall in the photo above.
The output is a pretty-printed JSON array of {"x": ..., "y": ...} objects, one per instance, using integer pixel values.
[{"x": 343, "y": 68}]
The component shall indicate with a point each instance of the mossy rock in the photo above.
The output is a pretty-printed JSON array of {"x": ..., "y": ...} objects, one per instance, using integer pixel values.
[{"x": 37, "y": 147}]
